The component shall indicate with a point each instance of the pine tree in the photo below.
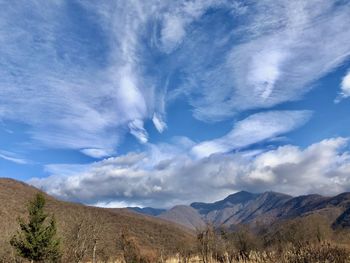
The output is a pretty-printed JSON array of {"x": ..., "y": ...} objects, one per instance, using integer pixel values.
[{"x": 36, "y": 240}]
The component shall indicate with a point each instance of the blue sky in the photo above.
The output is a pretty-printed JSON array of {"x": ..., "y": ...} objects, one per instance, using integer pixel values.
[{"x": 155, "y": 103}]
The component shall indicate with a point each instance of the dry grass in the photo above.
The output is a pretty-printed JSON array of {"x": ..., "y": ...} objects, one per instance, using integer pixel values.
[{"x": 323, "y": 253}]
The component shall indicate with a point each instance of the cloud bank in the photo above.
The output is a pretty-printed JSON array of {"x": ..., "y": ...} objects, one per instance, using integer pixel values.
[{"x": 142, "y": 179}]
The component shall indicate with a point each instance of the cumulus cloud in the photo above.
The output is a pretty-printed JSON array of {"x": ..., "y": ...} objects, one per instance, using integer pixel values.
[{"x": 142, "y": 179}]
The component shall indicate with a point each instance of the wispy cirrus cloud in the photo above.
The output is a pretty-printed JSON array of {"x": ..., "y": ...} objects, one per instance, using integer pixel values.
[
  {"x": 159, "y": 122},
  {"x": 256, "y": 128},
  {"x": 179, "y": 16},
  {"x": 75, "y": 88},
  {"x": 82, "y": 74},
  {"x": 267, "y": 59},
  {"x": 97, "y": 153},
  {"x": 13, "y": 157}
]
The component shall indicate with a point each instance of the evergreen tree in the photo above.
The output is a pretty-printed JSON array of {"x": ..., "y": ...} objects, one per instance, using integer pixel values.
[{"x": 36, "y": 240}]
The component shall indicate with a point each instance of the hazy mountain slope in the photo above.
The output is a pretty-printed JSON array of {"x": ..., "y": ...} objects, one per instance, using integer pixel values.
[
  {"x": 260, "y": 206},
  {"x": 149, "y": 232},
  {"x": 238, "y": 199},
  {"x": 240, "y": 207},
  {"x": 244, "y": 207},
  {"x": 185, "y": 216},
  {"x": 300, "y": 204},
  {"x": 147, "y": 210},
  {"x": 343, "y": 220}
]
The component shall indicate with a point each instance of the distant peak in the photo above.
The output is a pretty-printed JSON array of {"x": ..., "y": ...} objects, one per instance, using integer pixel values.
[
  {"x": 242, "y": 193},
  {"x": 275, "y": 194},
  {"x": 239, "y": 197}
]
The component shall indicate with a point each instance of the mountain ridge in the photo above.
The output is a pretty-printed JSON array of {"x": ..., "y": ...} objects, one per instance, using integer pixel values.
[{"x": 268, "y": 207}]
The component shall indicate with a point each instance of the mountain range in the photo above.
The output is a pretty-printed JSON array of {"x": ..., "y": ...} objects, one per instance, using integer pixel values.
[
  {"x": 171, "y": 228},
  {"x": 257, "y": 208}
]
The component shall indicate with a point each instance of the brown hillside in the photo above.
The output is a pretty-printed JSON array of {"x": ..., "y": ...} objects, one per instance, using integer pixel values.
[{"x": 150, "y": 234}]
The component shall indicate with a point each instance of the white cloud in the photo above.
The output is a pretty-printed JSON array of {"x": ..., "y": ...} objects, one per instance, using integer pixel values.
[
  {"x": 159, "y": 123},
  {"x": 81, "y": 93},
  {"x": 12, "y": 157},
  {"x": 344, "y": 87},
  {"x": 144, "y": 179},
  {"x": 179, "y": 17},
  {"x": 97, "y": 153},
  {"x": 72, "y": 91},
  {"x": 172, "y": 32},
  {"x": 114, "y": 204},
  {"x": 271, "y": 58},
  {"x": 137, "y": 129},
  {"x": 255, "y": 128},
  {"x": 265, "y": 71}
]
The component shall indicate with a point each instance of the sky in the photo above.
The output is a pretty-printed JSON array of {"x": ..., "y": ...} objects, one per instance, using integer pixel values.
[{"x": 155, "y": 103}]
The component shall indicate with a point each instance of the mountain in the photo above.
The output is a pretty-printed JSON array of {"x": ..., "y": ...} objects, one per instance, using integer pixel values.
[
  {"x": 148, "y": 210},
  {"x": 251, "y": 208},
  {"x": 343, "y": 220},
  {"x": 239, "y": 199},
  {"x": 148, "y": 232},
  {"x": 185, "y": 216},
  {"x": 240, "y": 207}
]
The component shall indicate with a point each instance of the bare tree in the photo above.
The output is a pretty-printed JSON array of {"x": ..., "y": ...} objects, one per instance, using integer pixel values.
[
  {"x": 206, "y": 243},
  {"x": 245, "y": 241},
  {"x": 131, "y": 251},
  {"x": 185, "y": 252},
  {"x": 238, "y": 244},
  {"x": 298, "y": 232},
  {"x": 83, "y": 238},
  {"x": 79, "y": 241}
]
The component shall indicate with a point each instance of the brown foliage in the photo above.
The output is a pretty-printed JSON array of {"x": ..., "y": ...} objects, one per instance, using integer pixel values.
[
  {"x": 298, "y": 232},
  {"x": 302, "y": 240},
  {"x": 150, "y": 232}
]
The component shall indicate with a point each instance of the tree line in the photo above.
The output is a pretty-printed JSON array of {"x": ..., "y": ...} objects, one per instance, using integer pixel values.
[{"x": 307, "y": 239}]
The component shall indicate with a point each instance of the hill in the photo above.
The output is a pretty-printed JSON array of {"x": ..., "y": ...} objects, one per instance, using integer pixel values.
[
  {"x": 185, "y": 216},
  {"x": 151, "y": 234}
]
